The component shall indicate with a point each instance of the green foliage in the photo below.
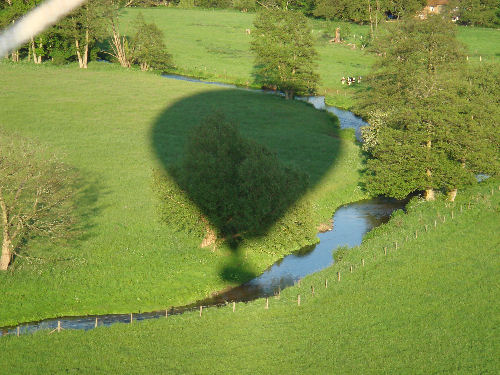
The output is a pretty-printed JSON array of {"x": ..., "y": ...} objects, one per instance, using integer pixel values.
[
  {"x": 244, "y": 5},
  {"x": 176, "y": 209},
  {"x": 186, "y": 4},
  {"x": 284, "y": 52},
  {"x": 213, "y": 3},
  {"x": 239, "y": 186},
  {"x": 36, "y": 195},
  {"x": 148, "y": 47},
  {"x": 422, "y": 135},
  {"x": 479, "y": 12},
  {"x": 340, "y": 253},
  {"x": 360, "y": 11}
]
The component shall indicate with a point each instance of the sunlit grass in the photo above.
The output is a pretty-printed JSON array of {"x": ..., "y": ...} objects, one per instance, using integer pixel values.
[
  {"x": 101, "y": 121},
  {"x": 431, "y": 306},
  {"x": 214, "y": 44}
]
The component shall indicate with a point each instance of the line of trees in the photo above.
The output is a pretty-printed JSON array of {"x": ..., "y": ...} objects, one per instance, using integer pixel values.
[
  {"x": 88, "y": 33},
  {"x": 433, "y": 118}
]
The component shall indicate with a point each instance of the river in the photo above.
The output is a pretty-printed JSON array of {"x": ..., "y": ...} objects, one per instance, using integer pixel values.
[{"x": 351, "y": 223}]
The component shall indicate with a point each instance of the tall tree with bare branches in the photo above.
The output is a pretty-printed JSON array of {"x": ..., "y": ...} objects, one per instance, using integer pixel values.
[{"x": 36, "y": 195}]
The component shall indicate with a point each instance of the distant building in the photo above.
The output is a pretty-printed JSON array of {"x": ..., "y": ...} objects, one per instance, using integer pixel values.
[{"x": 433, "y": 7}]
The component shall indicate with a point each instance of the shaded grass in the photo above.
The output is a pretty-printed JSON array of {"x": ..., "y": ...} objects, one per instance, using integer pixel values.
[
  {"x": 213, "y": 44},
  {"x": 100, "y": 120},
  {"x": 429, "y": 307}
]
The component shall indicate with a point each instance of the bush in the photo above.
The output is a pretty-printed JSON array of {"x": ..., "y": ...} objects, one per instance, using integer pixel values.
[
  {"x": 234, "y": 186},
  {"x": 244, "y": 5},
  {"x": 148, "y": 47}
]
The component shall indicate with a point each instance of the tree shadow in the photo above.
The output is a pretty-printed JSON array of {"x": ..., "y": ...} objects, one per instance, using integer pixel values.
[
  {"x": 301, "y": 140},
  {"x": 86, "y": 207}
]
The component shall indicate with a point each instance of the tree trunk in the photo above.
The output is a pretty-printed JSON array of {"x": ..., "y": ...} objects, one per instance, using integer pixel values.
[
  {"x": 289, "y": 94},
  {"x": 371, "y": 18},
  {"x": 429, "y": 195},
  {"x": 337, "y": 35},
  {"x": 452, "y": 194},
  {"x": 429, "y": 192},
  {"x": 36, "y": 59},
  {"x": 86, "y": 54},
  {"x": 119, "y": 47},
  {"x": 80, "y": 61},
  {"x": 6, "y": 252}
]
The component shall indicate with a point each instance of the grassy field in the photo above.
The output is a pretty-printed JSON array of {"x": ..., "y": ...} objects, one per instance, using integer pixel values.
[
  {"x": 213, "y": 44},
  {"x": 103, "y": 121},
  {"x": 428, "y": 307}
]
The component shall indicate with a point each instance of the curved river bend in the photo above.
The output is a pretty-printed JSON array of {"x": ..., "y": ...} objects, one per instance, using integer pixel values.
[{"x": 351, "y": 223}]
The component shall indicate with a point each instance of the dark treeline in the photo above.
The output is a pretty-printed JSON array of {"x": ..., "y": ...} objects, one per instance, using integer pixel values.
[
  {"x": 468, "y": 12},
  {"x": 89, "y": 33}
]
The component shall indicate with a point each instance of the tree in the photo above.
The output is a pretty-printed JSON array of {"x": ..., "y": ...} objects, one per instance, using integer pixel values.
[
  {"x": 284, "y": 52},
  {"x": 479, "y": 12},
  {"x": 85, "y": 26},
  {"x": 366, "y": 11},
  {"x": 12, "y": 10},
  {"x": 148, "y": 47},
  {"x": 420, "y": 131},
  {"x": 230, "y": 186},
  {"x": 36, "y": 192}
]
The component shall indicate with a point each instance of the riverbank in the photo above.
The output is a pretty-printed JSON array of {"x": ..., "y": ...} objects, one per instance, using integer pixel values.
[
  {"x": 428, "y": 306},
  {"x": 214, "y": 45},
  {"x": 128, "y": 261}
]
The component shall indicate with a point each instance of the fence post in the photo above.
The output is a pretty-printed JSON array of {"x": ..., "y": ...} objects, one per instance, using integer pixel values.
[
  {"x": 326, "y": 283},
  {"x": 363, "y": 262},
  {"x": 201, "y": 310},
  {"x": 234, "y": 306},
  {"x": 267, "y": 303},
  {"x": 338, "y": 276},
  {"x": 95, "y": 325},
  {"x": 396, "y": 245},
  {"x": 17, "y": 331},
  {"x": 385, "y": 250},
  {"x": 416, "y": 234},
  {"x": 312, "y": 290},
  {"x": 298, "y": 300},
  {"x": 131, "y": 318}
]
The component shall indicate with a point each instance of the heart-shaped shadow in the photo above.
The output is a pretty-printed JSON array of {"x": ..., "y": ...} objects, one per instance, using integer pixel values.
[{"x": 302, "y": 141}]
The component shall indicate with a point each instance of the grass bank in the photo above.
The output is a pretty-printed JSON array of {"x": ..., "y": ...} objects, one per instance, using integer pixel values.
[
  {"x": 214, "y": 45},
  {"x": 102, "y": 122},
  {"x": 429, "y": 306}
]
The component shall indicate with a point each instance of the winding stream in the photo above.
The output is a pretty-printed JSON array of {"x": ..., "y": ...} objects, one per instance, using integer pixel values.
[{"x": 352, "y": 222}]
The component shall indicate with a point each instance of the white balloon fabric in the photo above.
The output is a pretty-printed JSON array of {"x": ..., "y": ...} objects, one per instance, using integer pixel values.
[{"x": 35, "y": 22}]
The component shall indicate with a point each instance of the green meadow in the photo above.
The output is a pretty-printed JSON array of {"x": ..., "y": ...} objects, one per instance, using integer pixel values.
[
  {"x": 106, "y": 123},
  {"x": 429, "y": 306},
  {"x": 214, "y": 45}
]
